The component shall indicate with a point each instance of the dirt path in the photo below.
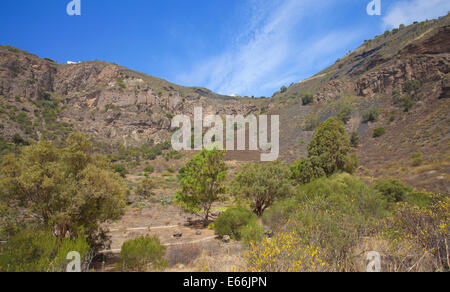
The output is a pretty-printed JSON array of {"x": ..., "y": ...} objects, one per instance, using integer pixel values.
[
  {"x": 116, "y": 251},
  {"x": 149, "y": 228}
]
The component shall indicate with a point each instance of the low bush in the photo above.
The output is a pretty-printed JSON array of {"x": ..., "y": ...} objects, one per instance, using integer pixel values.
[
  {"x": 232, "y": 221},
  {"x": 149, "y": 169},
  {"x": 311, "y": 122},
  {"x": 39, "y": 251},
  {"x": 145, "y": 188},
  {"x": 142, "y": 254},
  {"x": 345, "y": 114},
  {"x": 306, "y": 170},
  {"x": 378, "y": 132},
  {"x": 285, "y": 253},
  {"x": 307, "y": 98},
  {"x": 354, "y": 140},
  {"x": 393, "y": 190},
  {"x": 406, "y": 103},
  {"x": 173, "y": 155},
  {"x": 18, "y": 140},
  {"x": 253, "y": 232},
  {"x": 120, "y": 169},
  {"x": 417, "y": 159},
  {"x": 370, "y": 116},
  {"x": 425, "y": 230},
  {"x": 334, "y": 213},
  {"x": 412, "y": 87},
  {"x": 352, "y": 163}
]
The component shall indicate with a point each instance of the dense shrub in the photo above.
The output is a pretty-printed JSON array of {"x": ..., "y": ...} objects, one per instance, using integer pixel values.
[
  {"x": 283, "y": 89},
  {"x": 333, "y": 213},
  {"x": 311, "y": 122},
  {"x": 120, "y": 169},
  {"x": 175, "y": 155},
  {"x": 232, "y": 221},
  {"x": 285, "y": 253},
  {"x": 251, "y": 233},
  {"x": 149, "y": 169},
  {"x": 18, "y": 140},
  {"x": 351, "y": 163},
  {"x": 406, "y": 103},
  {"x": 393, "y": 190},
  {"x": 39, "y": 251},
  {"x": 145, "y": 188},
  {"x": 152, "y": 153},
  {"x": 426, "y": 230},
  {"x": 412, "y": 87},
  {"x": 378, "y": 132},
  {"x": 396, "y": 96},
  {"x": 306, "y": 170},
  {"x": 354, "y": 140},
  {"x": 417, "y": 159},
  {"x": 345, "y": 114},
  {"x": 307, "y": 98},
  {"x": 142, "y": 254},
  {"x": 370, "y": 116},
  {"x": 262, "y": 184}
]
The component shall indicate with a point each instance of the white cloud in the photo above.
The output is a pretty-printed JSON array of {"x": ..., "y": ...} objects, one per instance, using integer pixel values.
[
  {"x": 273, "y": 50},
  {"x": 406, "y": 12}
]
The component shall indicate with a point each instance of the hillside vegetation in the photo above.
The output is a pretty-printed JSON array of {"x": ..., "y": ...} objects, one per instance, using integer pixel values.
[{"x": 86, "y": 165}]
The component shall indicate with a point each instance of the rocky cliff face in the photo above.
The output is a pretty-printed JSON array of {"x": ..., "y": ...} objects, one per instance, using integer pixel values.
[{"x": 102, "y": 99}]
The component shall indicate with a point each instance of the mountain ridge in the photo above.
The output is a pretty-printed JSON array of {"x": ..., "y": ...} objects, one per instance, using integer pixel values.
[{"x": 40, "y": 98}]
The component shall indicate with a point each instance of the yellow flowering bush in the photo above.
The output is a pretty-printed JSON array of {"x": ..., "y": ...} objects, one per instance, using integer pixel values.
[
  {"x": 285, "y": 253},
  {"x": 425, "y": 228}
]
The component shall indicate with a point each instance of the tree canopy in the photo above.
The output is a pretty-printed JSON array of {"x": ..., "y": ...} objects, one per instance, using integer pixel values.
[
  {"x": 68, "y": 191},
  {"x": 202, "y": 183},
  {"x": 262, "y": 184}
]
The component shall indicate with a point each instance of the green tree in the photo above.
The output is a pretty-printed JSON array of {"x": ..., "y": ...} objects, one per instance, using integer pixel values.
[
  {"x": 202, "y": 183},
  {"x": 68, "y": 190},
  {"x": 331, "y": 145},
  {"x": 262, "y": 184}
]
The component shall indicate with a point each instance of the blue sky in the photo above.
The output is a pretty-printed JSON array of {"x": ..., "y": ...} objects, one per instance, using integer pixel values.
[{"x": 244, "y": 47}]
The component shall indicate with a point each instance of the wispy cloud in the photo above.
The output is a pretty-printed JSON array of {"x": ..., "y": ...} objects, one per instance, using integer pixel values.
[
  {"x": 406, "y": 12},
  {"x": 273, "y": 50}
]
